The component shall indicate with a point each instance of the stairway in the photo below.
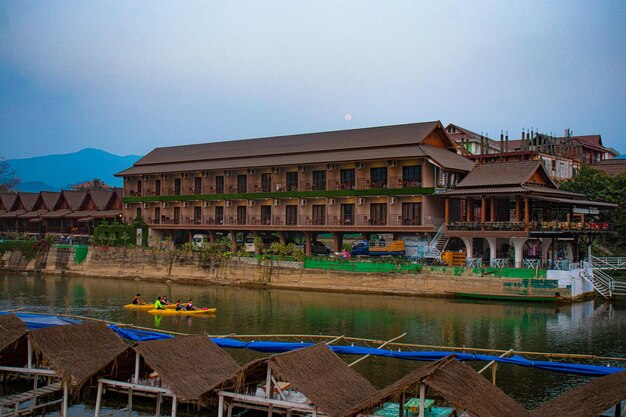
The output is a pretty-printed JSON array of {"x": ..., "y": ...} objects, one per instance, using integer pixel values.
[
  {"x": 600, "y": 281},
  {"x": 437, "y": 245}
]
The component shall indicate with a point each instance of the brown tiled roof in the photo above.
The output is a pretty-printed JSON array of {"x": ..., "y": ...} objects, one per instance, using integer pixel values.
[
  {"x": 101, "y": 198},
  {"x": 611, "y": 166},
  {"x": 80, "y": 214},
  {"x": 74, "y": 198},
  {"x": 406, "y": 134},
  {"x": 447, "y": 159},
  {"x": 12, "y": 214},
  {"x": 56, "y": 214},
  {"x": 502, "y": 174},
  {"x": 484, "y": 190},
  {"x": 33, "y": 214},
  {"x": 28, "y": 199},
  {"x": 50, "y": 199},
  {"x": 7, "y": 200}
]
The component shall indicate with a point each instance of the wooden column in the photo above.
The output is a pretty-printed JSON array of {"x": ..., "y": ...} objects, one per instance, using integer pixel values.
[
  {"x": 527, "y": 213},
  {"x": 468, "y": 209},
  {"x": 492, "y": 206},
  {"x": 518, "y": 209},
  {"x": 483, "y": 209},
  {"x": 446, "y": 211}
]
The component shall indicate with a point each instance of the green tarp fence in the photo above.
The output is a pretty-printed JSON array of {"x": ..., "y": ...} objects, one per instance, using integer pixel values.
[
  {"x": 360, "y": 266},
  {"x": 80, "y": 252}
]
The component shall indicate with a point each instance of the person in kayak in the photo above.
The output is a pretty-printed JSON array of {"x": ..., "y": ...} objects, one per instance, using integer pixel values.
[
  {"x": 158, "y": 305},
  {"x": 189, "y": 305},
  {"x": 137, "y": 299},
  {"x": 164, "y": 300},
  {"x": 179, "y": 306}
]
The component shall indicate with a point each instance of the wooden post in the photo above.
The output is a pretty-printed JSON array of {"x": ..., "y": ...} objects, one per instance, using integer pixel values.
[
  {"x": 65, "y": 398},
  {"x": 157, "y": 413},
  {"x": 422, "y": 413},
  {"x": 446, "y": 210},
  {"x": 468, "y": 209},
  {"x": 268, "y": 382},
  {"x": 220, "y": 407},
  {"x": 483, "y": 209},
  {"x": 98, "y": 400},
  {"x": 129, "y": 413},
  {"x": 401, "y": 408},
  {"x": 136, "y": 376},
  {"x": 230, "y": 410},
  {"x": 494, "y": 369},
  {"x": 492, "y": 208},
  {"x": 518, "y": 209},
  {"x": 527, "y": 213},
  {"x": 30, "y": 354}
]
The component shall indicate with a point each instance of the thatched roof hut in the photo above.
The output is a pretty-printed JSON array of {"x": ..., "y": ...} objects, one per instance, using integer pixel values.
[
  {"x": 316, "y": 372},
  {"x": 78, "y": 352},
  {"x": 13, "y": 344},
  {"x": 189, "y": 365},
  {"x": 588, "y": 400},
  {"x": 457, "y": 383}
]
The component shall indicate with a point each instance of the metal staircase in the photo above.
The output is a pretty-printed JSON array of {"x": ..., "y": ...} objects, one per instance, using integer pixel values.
[
  {"x": 437, "y": 245},
  {"x": 600, "y": 281}
]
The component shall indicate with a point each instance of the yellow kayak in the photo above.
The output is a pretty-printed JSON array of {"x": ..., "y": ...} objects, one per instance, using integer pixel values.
[
  {"x": 171, "y": 312},
  {"x": 149, "y": 306}
]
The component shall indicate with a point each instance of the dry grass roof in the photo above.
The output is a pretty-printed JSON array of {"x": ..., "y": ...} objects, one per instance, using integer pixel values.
[
  {"x": 457, "y": 383},
  {"x": 326, "y": 380},
  {"x": 12, "y": 329},
  {"x": 189, "y": 365},
  {"x": 77, "y": 351},
  {"x": 588, "y": 400}
]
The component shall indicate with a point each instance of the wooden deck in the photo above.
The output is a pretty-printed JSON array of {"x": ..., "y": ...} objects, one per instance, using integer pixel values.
[{"x": 10, "y": 405}]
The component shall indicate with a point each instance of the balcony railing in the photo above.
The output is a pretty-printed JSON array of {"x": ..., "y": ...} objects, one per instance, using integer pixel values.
[{"x": 551, "y": 226}]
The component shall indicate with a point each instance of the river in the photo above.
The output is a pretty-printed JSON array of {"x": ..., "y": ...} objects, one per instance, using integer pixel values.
[{"x": 590, "y": 327}]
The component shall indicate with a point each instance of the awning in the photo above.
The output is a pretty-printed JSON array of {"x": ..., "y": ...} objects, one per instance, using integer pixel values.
[
  {"x": 574, "y": 202},
  {"x": 106, "y": 214},
  {"x": 12, "y": 214},
  {"x": 56, "y": 214},
  {"x": 85, "y": 220},
  {"x": 81, "y": 213},
  {"x": 32, "y": 214},
  {"x": 459, "y": 192},
  {"x": 35, "y": 220}
]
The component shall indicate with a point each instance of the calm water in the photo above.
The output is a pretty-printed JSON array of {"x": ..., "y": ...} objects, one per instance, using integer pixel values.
[{"x": 589, "y": 328}]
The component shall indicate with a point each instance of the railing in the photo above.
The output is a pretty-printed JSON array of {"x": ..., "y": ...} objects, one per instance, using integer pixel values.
[
  {"x": 606, "y": 262},
  {"x": 367, "y": 184},
  {"x": 487, "y": 226},
  {"x": 600, "y": 281},
  {"x": 336, "y": 184},
  {"x": 312, "y": 220}
]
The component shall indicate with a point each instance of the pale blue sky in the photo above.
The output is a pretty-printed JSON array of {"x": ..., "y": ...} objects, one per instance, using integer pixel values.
[{"x": 128, "y": 76}]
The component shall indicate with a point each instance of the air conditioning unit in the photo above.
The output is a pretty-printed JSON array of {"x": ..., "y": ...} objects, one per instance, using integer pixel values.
[
  {"x": 227, "y": 173},
  {"x": 251, "y": 171},
  {"x": 331, "y": 201},
  {"x": 276, "y": 170},
  {"x": 330, "y": 167},
  {"x": 185, "y": 175},
  {"x": 146, "y": 205},
  {"x": 207, "y": 204},
  {"x": 166, "y": 205},
  {"x": 359, "y": 165},
  {"x": 393, "y": 200},
  {"x": 302, "y": 168},
  {"x": 126, "y": 205},
  {"x": 360, "y": 201},
  {"x": 303, "y": 202},
  {"x": 251, "y": 203},
  {"x": 276, "y": 202},
  {"x": 228, "y": 203},
  {"x": 392, "y": 163},
  {"x": 205, "y": 174},
  {"x": 185, "y": 204}
]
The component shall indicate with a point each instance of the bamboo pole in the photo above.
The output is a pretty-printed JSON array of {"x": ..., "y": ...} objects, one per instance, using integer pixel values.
[{"x": 380, "y": 347}]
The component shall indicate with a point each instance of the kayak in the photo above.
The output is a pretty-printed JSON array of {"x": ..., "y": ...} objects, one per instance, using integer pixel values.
[
  {"x": 149, "y": 306},
  {"x": 171, "y": 312}
]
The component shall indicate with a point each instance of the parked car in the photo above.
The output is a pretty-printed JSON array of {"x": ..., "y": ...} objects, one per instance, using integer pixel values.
[
  {"x": 317, "y": 247},
  {"x": 249, "y": 245}
]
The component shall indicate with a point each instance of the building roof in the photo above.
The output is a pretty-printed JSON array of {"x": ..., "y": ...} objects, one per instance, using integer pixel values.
[
  {"x": 12, "y": 329},
  {"x": 56, "y": 214},
  {"x": 457, "y": 383},
  {"x": 28, "y": 199},
  {"x": 447, "y": 159},
  {"x": 74, "y": 198},
  {"x": 12, "y": 214},
  {"x": 189, "y": 365},
  {"x": 78, "y": 352},
  {"x": 504, "y": 174},
  {"x": 101, "y": 198},
  {"x": 7, "y": 200},
  {"x": 590, "y": 399},
  {"x": 611, "y": 166},
  {"x": 33, "y": 214},
  {"x": 399, "y": 141},
  {"x": 320, "y": 375},
  {"x": 50, "y": 198}
]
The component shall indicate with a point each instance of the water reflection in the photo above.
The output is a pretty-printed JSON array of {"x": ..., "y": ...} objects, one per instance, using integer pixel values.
[{"x": 579, "y": 328}]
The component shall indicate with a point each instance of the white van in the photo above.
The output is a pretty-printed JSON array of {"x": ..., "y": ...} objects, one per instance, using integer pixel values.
[{"x": 198, "y": 239}]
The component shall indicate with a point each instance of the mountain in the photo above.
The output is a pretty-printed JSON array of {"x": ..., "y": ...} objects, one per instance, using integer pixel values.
[
  {"x": 60, "y": 171},
  {"x": 34, "y": 187}
]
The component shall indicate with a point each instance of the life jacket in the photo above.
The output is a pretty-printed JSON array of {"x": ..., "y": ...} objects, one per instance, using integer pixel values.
[{"x": 158, "y": 305}]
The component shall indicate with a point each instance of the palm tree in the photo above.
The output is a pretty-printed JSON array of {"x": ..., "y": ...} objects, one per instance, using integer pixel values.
[{"x": 96, "y": 183}]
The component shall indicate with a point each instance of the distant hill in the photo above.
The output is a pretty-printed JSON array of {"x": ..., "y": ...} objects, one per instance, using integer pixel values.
[
  {"x": 34, "y": 187},
  {"x": 60, "y": 171}
]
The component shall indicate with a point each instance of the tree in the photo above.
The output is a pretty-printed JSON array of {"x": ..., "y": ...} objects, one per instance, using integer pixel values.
[
  {"x": 96, "y": 183},
  {"x": 8, "y": 177}
]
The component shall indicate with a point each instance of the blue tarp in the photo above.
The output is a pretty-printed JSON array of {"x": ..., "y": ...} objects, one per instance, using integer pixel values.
[{"x": 36, "y": 321}]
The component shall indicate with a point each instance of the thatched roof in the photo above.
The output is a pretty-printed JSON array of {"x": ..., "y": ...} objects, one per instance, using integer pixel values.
[
  {"x": 457, "y": 383},
  {"x": 11, "y": 330},
  {"x": 316, "y": 372},
  {"x": 77, "y": 351},
  {"x": 588, "y": 400},
  {"x": 189, "y": 365}
]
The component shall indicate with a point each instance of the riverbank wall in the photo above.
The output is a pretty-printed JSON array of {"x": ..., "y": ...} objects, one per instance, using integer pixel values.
[{"x": 149, "y": 264}]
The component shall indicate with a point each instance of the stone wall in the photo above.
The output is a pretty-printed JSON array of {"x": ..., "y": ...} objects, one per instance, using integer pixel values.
[{"x": 123, "y": 263}]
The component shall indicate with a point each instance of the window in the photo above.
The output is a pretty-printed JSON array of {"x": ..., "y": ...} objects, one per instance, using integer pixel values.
[
  {"x": 177, "y": 186},
  {"x": 347, "y": 179},
  {"x": 197, "y": 185},
  {"x": 291, "y": 214},
  {"x": 157, "y": 215},
  {"x": 266, "y": 214},
  {"x": 347, "y": 214},
  {"x": 266, "y": 182},
  {"x": 319, "y": 214},
  {"x": 242, "y": 183},
  {"x": 219, "y": 214},
  {"x": 292, "y": 181},
  {"x": 378, "y": 177},
  {"x": 378, "y": 213},
  {"x": 219, "y": 184},
  {"x": 157, "y": 187},
  {"x": 319, "y": 180},
  {"x": 241, "y": 214},
  {"x": 412, "y": 213},
  {"x": 197, "y": 214},
  {"x": 412, "y": 176}
]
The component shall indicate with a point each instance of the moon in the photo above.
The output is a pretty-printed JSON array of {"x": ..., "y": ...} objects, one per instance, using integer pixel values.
[{"x": 347, "y": 117}]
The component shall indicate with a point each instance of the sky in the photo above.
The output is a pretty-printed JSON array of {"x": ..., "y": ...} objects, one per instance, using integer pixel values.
[{"x": 129, "y": 76}]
